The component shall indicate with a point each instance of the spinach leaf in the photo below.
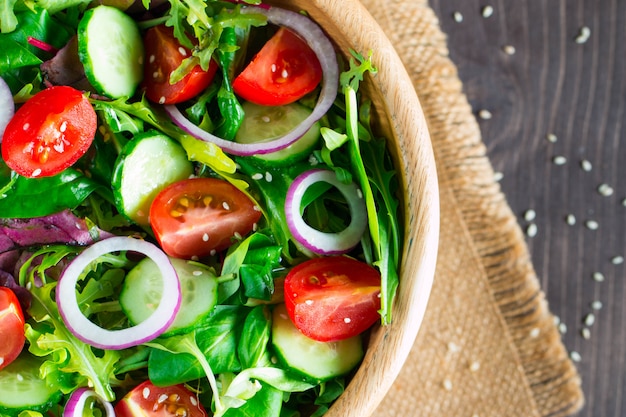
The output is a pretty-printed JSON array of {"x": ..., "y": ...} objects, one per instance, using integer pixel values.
[
  {"x": 252, "y": 347},
  {"x": 38, "y": 197},
  {"x": 267, "y": 402}
]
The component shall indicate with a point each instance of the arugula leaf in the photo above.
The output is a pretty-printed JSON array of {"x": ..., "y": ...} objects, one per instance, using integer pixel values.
[{"x": 252, "y": 347}]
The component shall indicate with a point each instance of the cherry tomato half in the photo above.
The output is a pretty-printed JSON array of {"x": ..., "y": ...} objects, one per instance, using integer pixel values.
[
  {"x": 49, "y": 132},
  {"x": 197, "y": 216},
  {"x": 164, "y": 54},
  {"x": 11, "y": 327},
  {"x": 332, "y": 298},
  {"x": 148, "y": 400},
  {"x": 284, "y": 70}
]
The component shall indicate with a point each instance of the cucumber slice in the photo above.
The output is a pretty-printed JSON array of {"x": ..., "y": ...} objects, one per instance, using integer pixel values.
[
  {"x": 266, "y": 123},
  {"x": 143, "y": 286},
  {"x": 317, "y": 361},
  {"x": 147, "y": 164},
  {"x": 21, "y": 387},
  {"x": 111, "y": 50}
]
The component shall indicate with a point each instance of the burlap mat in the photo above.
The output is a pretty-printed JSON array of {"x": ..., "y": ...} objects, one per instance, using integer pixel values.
[{"x": 488, "y": 345}]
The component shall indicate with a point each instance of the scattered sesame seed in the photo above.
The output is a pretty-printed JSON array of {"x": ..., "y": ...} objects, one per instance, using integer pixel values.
[
  {"x": 559, "y": 160},
  {"x": 225, "y": 206},
  {"x": 447, "y": 385},
  {"x": 497, "y": 177},
  {"x": 562, "y": 328},
  {"x": 485, "y": 114},
  {"x": 36, "y": 172},
  {"x": 347, "y": 320},
  {"x": 193, "y": 400},
  {"x": 598, "y": 276},
  {"x": 535, "y": 332},
  {"x": 1, "y": 360},
  {"x": 151, "y": 59},
  {"x": 458, "y": 17},
  {"x": 617, "y": 260},
  {"x": 586, "y": 165},
  {"x": 487, "y": 11},
  {"x": 268, "y": 176},
  {"x": 575, "y": 356},
  {"x": 19, "y": 377},
  {"x": 509, "y": 49},
  {"x": 531, "y": 230},
  {"x": 551, "y": 137},
  {"x": 162, "y": 100},
  {"x": 570, "y": 219},
  {"x": 583, "y": 35},
  {"x": 585, "y": 333},
  {"x": 182, "y": 51},
  {"x": 589, "y": 319},
  {"x": 605, "y": 190},
  {"x": 308, "y": 302},
  {"x": 257, "y": 176},
  {"x": 529, "y": 215},
  {"x": 596, "y": 305},
  {"x": 237, "y": 235},
  {"x": 453, "y": 347},
  {"x": 145, "y": 392},
  {"x": 205, "y": 237},
  {"x": 592, "y": 225},
  {"x": 474, "y": 366},
  {"x": 162, "y": 398},
  {"x": 557, "y": 320}
]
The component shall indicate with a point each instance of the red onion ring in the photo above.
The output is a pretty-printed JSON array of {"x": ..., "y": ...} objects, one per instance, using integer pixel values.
[
  {"x": 90, "y": 333},
  {"x": 7, "y": 107},
  {"x": 313, "y": 239},
  {"x": 325, "y": 52},
  {"x": 76, "y": 403}
]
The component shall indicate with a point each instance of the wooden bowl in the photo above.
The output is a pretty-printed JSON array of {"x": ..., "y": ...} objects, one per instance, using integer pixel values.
[{"x": 400, "y": 118}]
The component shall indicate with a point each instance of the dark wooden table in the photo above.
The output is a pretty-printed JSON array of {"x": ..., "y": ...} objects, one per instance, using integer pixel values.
[{"x": 546, "y": 79}]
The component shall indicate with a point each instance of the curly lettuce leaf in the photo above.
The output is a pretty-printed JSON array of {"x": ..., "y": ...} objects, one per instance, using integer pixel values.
[{"x": 68, "y": 361}]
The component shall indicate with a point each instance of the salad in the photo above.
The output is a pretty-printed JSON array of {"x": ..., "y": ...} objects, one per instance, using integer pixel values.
[{"x": 196, "y": 214}]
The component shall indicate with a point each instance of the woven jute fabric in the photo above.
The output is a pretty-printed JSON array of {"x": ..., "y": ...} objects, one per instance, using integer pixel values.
[{"x": 488, "y": 345}]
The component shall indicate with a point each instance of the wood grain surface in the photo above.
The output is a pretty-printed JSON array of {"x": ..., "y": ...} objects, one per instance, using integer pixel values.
[{"x": 546, "y": 81}]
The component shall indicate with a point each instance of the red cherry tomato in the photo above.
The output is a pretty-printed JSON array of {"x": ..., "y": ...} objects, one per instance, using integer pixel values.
[
  {"x": 332, "y": 298},
  {"x": 148, "y": 400},
  {"x": 11, "y": 327},
  {"x": 285, "y": 70},
  {"x": 49, "y": 132},
  {"x": 164, "y": 54},
  {"x": 195, "y": 217}
]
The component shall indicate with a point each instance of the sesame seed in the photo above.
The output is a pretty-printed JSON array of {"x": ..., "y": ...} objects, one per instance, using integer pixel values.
[
  {"x": 213, "y": 252},
  {"x": 205, "y": 237},
  {"x": 19, "y": 377},
  {"x": 583, "y": 35},
  {"x": 585, "y": 333},
  {"x": 508, "y": 49},
  {"x": 63, "y": 126},
  {"x": 497, "y": 176},
  {"x": 557, "y": 320},
  {"x": 347, "y": 320},
  {"x": 193, "y": 400},
  {"x": 559, "y": 160},
  {"x": 268, "y": 177},
  {"x": 1, "y": 360},
  {"x": 598, "y": 276},
  {"x": 453, "y": 347},
  {"x": 586, "y": 165},
  {"x": 458, "y": 17},
  {"x": 605, "y": 190},
  {"x": 487, "y": 11},
  {"x": 266, "y": 119},
  {"x": 624, "y": 202},
  {"x": 237, "y": 235},
  {"x": 308, "y": 302},
  {"x": 26, "y": 126},
  {"x": 151, "y": 59},
  {"x": 36, "y": 172},
  {"x": 225, "y": 206},
  {"x": 589, "y": 319},
  {"x": 257, "y": 176},
  {"x": 162, "y": 100},
  {"x": 529, "y": 215},
  {"x": 592, "y": 225},
  {"x": 596, "y": 305},
  {"x": 531, "y": 230},
  {"x": 182, "y": 51},
  {"x": 474, "y": 366},
  {"x": 196, "y": 273},
  {"x": 145, "y": 393},
  {"x": 617, "y": 260},
  {"x": 284, "y": 73},
  {"x": 162, "y": 398},
  {"x": 562, "y": 328},
  {"x": 535, "y": 332},
  {"x": 447, "y": 385},
  {"x": 570, "y": 219},
  {"x": 485, "y": 114},
  {"x": 575, "y": 356},
  {"x": 551, "y": 137}
]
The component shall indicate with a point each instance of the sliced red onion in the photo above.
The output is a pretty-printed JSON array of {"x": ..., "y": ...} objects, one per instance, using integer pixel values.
[
  {"x": 313, "y": 239},
  {"x": 323, "y": 48},
  {"x": 89, "y": 332},
  {"x": 7, "y": 106},
  {"x": 76, "y": 403}
]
